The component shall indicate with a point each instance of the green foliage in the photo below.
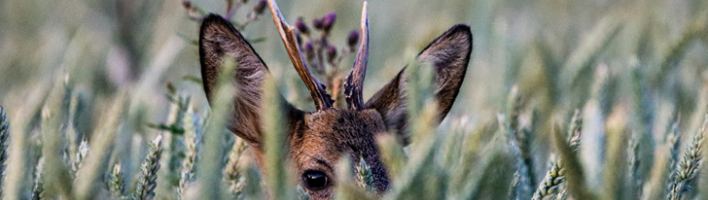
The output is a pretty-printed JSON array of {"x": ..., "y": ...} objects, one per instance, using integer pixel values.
[{"x": 562, "y": 100}]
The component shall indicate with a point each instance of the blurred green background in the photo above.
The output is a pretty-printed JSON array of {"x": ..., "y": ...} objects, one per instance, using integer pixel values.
[
  {"x": 642, "y": 62},
  {"x": 104, "y": 45}
]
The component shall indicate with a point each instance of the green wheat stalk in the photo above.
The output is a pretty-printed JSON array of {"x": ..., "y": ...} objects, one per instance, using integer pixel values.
[
  {"x": 347, "y": 189},
  {"x": 16, "y": 184},
  {"x": 80, "y": 156},
  {"x": 521, "y": 183},
  {"x": 686, "y": 169},
  {"x": 116, "y": 182},
  {"x": 634, "y": 161},
  {"x": 145, "y": 186},
  {"x": 421, "y": 166},
  {"x": 275, "y": 140},
  {"x": 232, "y": 171},
  {"x": 38, "y": 187},
  {"x": 102, "y": 143},
  {"x": 211, "y": 163},
  {"x": 174, "y": 146},
  {"x": 364, "y": 176},
  {"x": 4, "y": 135},
  {"x": 57, "y": 178},
  {"x": 190, "y": 158},
  {"x": 555, "y": 175},
  {"x": 666, "y": 158}
]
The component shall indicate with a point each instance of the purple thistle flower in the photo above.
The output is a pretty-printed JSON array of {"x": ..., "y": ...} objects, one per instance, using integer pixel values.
[{"x": 328, "y": 21}]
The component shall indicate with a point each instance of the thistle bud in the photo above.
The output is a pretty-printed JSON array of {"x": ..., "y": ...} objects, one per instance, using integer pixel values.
[
  {"x": 317, "y": 23},
  {"x": 353, "y": 39},
  {"x": 187, "y": 4},
  {"x": 331, "y": 53},
  {"x": 260, "y": 7},
  {"x": 302, "y": 27},
  {"x": 328, "y": 21},
  {"x": 309, "y": 51}
]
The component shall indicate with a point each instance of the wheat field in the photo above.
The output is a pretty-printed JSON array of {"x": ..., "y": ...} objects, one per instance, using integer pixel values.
[{"x": 102, "y": 99}]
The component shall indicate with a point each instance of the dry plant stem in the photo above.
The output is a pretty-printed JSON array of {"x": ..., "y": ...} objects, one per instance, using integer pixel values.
[
  {"x": 287, "y": 34},
  {"x": 231, "y": 8}
]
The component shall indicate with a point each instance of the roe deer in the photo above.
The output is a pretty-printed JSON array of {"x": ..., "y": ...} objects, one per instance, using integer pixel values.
[{"x": 318, "y": 138}]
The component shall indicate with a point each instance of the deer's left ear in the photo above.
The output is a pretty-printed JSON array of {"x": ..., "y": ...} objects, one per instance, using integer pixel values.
[{"x": 449, "y": 54}]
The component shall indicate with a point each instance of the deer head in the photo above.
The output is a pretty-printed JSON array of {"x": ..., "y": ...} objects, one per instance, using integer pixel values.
[{"x": 317, "y": 139}]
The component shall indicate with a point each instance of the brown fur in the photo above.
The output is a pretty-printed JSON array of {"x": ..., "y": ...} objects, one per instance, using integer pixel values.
[{"x": 318, "y": 139}]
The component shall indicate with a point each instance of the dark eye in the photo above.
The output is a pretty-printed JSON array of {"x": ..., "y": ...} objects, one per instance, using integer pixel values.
[{"x": 314, "y": 180}]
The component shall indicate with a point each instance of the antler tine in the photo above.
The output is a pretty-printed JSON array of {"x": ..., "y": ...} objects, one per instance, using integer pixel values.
[
  {"x": 287, "y": 33},
  {"x": 355, "y": 80}
]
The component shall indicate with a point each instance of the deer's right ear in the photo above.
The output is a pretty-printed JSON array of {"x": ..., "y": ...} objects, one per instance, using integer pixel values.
[
  {"x": 449, "y": 55},
  {"x": 219, "y": 40}
]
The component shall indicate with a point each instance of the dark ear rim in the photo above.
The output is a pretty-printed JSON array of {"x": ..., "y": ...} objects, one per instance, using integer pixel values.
[
  {"x": 211, "y": 20},
  {"x": 464, "y": 28},
  {"x": 467, "y": 31}
]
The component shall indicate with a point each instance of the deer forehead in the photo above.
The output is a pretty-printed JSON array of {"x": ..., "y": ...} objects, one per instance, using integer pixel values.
[
  {"x": 344, "y": 124},
  {"x": 328, "y": 133}
]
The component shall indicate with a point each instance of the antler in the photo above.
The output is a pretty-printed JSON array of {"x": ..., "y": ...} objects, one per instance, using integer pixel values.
[
  {"x": 287, "y": 33},
  {"x": 355, "y": 80}
]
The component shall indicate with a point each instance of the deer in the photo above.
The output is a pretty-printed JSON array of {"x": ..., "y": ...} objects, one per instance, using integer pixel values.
[{"x": 318, "y": 139}]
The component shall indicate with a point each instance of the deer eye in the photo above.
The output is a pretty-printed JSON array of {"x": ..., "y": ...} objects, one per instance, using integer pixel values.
[{"x": 315, "y": 180}]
